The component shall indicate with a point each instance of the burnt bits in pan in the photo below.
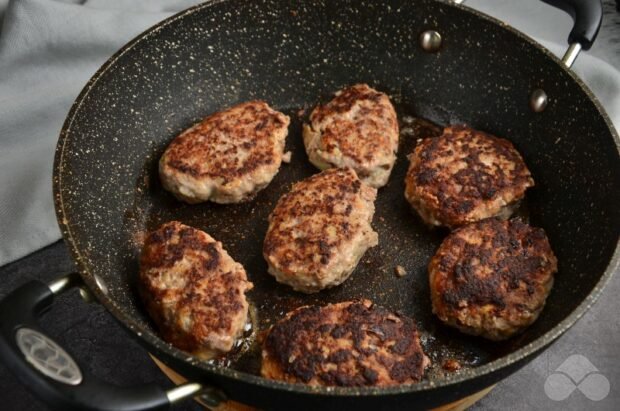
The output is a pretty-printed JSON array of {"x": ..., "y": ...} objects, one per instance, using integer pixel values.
[
  {"x": 349, "y": 344},
  {"x": 491, "y": 278},
  {"x": 465, "y": 175},
  {"x": 193, "y": 290},
  {"x": 228, "y": 157}
]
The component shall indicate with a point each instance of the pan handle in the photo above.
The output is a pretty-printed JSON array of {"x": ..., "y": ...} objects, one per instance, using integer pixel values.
[
  {"x": 51, "y": 373},
  {"x": 587, "y": 17}
]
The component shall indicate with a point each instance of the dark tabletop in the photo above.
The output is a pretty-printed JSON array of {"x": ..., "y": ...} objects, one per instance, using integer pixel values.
[{"x": 103, "y": 347}]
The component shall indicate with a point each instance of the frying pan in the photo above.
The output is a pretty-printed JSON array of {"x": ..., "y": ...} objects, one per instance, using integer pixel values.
[{"x": 438, "y": 61}]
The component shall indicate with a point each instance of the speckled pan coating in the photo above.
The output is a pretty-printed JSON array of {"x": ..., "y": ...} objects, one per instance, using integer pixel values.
[{"x": 221, "y": 53}]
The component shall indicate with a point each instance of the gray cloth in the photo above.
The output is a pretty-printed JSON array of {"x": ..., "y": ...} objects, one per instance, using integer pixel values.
[{"x": 49, "y": 49}]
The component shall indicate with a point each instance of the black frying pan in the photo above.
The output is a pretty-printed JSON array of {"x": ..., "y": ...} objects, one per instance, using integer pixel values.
[{"x": 293, "y": 54}]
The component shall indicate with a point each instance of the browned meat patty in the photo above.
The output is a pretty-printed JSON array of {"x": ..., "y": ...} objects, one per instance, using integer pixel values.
[
  {"x": 491, "y": 278},
  {"x": 228, "y": 157},
  {"x": 320, "y": 229},
  {"x": 357, "y": 129},
  {"x": 348, "y": 344},
  {"x": 465, "y": 175},
  {"x": 193, "y": 290}
]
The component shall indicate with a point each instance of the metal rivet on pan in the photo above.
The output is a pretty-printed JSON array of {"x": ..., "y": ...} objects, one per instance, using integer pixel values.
[
  {"x": 538, "y": 100},
  {"x": 87, "y": 295},
  {"x": 101, "y": 284},
  {"x": 430, "y": 41}
]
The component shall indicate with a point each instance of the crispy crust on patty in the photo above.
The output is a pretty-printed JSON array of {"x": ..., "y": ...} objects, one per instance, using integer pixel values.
[
  {"x": 357, "y": 129},
  {"x": 228, "y": 157},
  {"x": 349, "y": 344},
  {"x": 491, "y": 278},
  {"x": 193, "y": 290},
  {"x": 320, "y": 229},
  {"x": 465, "y": 175}
]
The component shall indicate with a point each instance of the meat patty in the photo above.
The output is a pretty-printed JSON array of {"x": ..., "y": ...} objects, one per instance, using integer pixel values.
[
  {"x": 228, "y": 157},
  {"x": 320, "y": 229},
  {"x": 357, "y": 129},
  {"x": 465, "y": 175},
  {"x": 349, "y": 344},
  {"x": 491, "y": 278},
  {"x": 193, "y": 290}
]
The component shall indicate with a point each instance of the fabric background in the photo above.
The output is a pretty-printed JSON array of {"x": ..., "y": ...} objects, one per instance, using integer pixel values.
[
  {"x": 50, "y": 48},
  {"x": 48, "y": 51}
]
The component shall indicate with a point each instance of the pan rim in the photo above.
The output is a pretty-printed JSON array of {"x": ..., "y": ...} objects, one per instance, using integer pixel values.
[{"x": 157, "y": 343}]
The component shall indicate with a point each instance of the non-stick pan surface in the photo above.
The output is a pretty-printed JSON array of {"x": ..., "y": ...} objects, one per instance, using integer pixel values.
[{"x": 294, "y": 55}]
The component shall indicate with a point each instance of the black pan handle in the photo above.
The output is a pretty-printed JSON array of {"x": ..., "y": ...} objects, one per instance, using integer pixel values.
[
  {"x": 51, "y": 373},
  {"x": 587, "y": 16}
]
